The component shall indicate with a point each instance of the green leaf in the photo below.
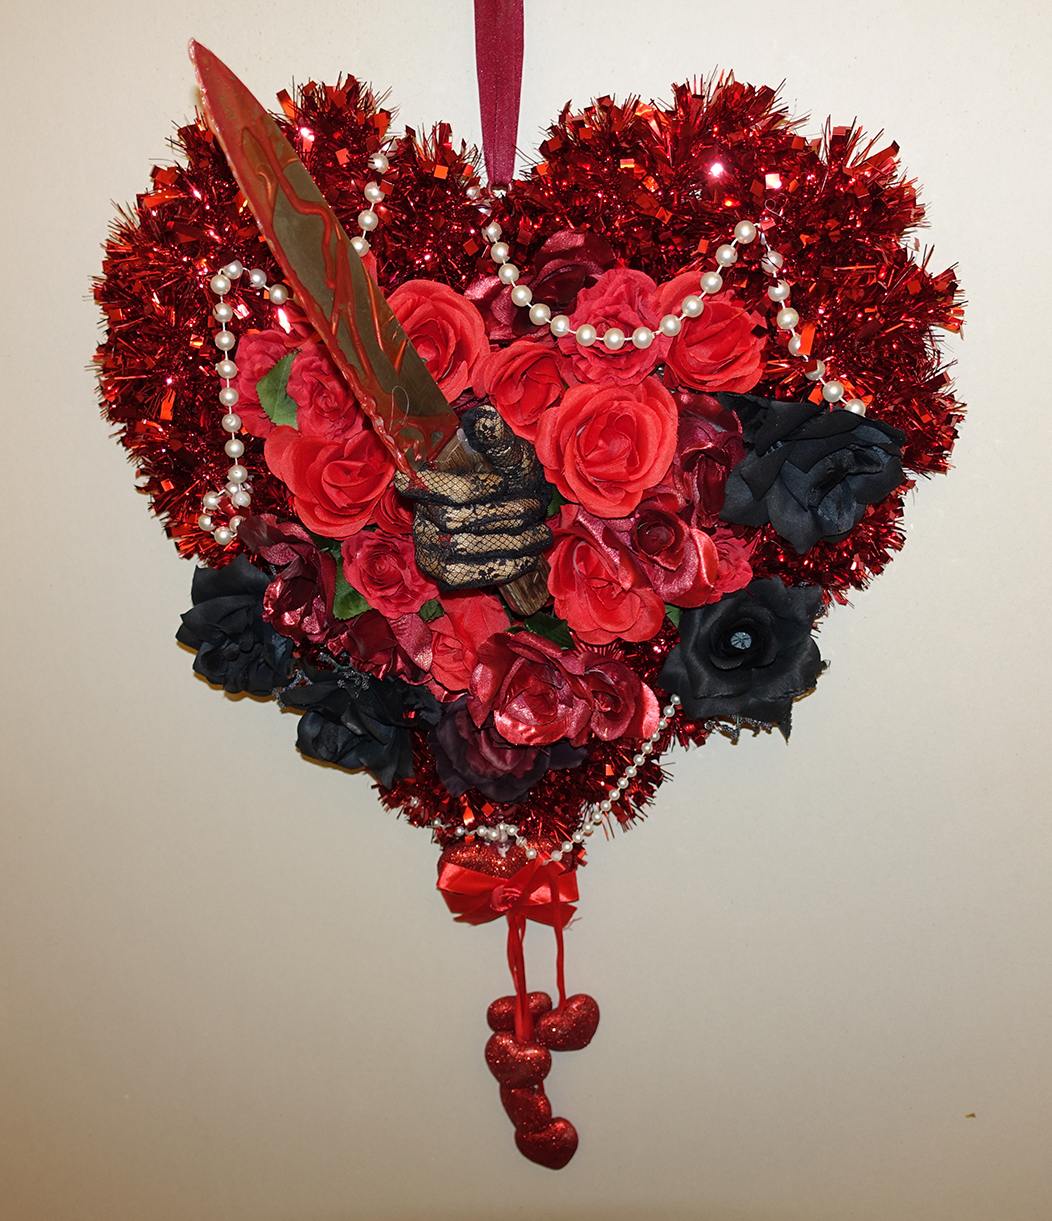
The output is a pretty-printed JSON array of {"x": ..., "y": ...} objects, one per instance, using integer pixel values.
[
  {"x": 556, "y": 503},
  {"x": 673, "y": 612},
  {"x": 550, "y": 628},
  {"x": 348, "y": 602},
  {"x": 273, "y": 396},
  {"x": 431, "y": 610}
]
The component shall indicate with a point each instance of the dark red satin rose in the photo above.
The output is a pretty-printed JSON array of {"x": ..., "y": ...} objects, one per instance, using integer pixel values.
[
  {"x": 708, "y": 448},
  {"x": 734, "y": 555},
  {"x": 534, "y": 691},
  {"x": 604, "y": 446},
  {"x": 334, "y": 483},
  {"x": 393, "y": 513},
  {"x": 720, "y": 350},
  {"x": 370, "y": 642},
  {"x": 298, "y": 602},
  {"x": 471, "y": 618},
  {"x": 623, "y": 706},
  {"x": 679, "y": 560},
  {"x": 257, "y": 353},
  {"x": 445, "y": 328},
  {"x": 624, "y": 299},
  {"x": 599, "y": 586},
  {"x": 521, "y": 381},
  {"x": 326, "y": 407},
  {"x": 567, "y": 262},
  {"x": 382, "y": 568}
]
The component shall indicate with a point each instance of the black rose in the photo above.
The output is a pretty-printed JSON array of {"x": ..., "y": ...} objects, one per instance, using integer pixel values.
[
  {"x": 468, "y": 756},
  {"x": 747, "y": 656},
  {"x": 236, "y": 649},
  {"x": 808, "y": 471},
  {"x": 355, "y": 721}
]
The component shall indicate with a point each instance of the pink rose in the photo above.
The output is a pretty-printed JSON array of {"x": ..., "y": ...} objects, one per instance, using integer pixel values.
[
  {"x": 623, "y": 299},
  {"x": 445, "y": 328}
]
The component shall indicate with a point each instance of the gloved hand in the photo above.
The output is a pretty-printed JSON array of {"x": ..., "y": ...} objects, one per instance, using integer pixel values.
[{"x": 482, "y": 527}]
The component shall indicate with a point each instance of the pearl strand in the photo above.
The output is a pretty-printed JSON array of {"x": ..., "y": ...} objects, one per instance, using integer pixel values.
[
  {"x": 238, "y": 490},
  {"x": 374, "y": 193}
]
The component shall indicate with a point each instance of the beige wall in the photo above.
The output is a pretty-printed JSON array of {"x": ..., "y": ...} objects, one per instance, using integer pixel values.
[{"x": 228, "y": 991}]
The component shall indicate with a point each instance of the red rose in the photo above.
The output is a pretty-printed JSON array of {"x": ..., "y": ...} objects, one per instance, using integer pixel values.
[
  {"x": 257, "y": 353},
  {"x": 623, "y": 705},
  {"x": 393, "y": 513},
  {"x": 471, "y": 618},
  {"x": 735, "y": 570},
  {"x": 373, "y": 646},
  {"x": 382, "y": 568},
  {"x": 536, "y": 692},
  {"x": 445, "y": 328},
  {"x": 298, "y": 602},
  {"x": 326, "y": 407},
  {"x": 623, "y": 299},
  {"x": 521, "y": 381},
  {"x": 604, "y": 446},
  {"x": 709, "y": 447},
  {"x": 720, "y": 349},
  {"x": 679, "y": 561},
  {"x": 599, "y": 587},
  {"x": 334, "y": 483}
]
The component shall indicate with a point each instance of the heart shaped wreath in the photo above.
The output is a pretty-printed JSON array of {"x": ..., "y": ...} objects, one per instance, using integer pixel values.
[{"x": 690, "y": 360}]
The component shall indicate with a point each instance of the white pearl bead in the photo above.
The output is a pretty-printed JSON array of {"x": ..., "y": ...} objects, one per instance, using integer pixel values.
[
  {"x": 559, "y": 326},
  {"x": 669, "y": 710},
  {"x": 642, "y": 337},
  {"x": 492, "y": 232},
  {"x": 373, "y": 192},
  {"x": 224, "y": 340},
  {"x": 219, "y": 284},
  {"x": 614, "y": 339},
  {"x": 726, "y": 256},
  {"x": 234, "y": 269},
  {"x": 674, "y": 699},
  {"x": 606, "y": 806},
  {"x": 817, "y": 371},
  {"x": 745, "y": 231},
  {"x": 242, "y": 498},
  {"x": 278, "y": 294},
  {"x": 531, "y": 853},
  {"x": 237, "y": 474},
  {"x": 578, "y": 837},
  {"x": 522, "y": 295},
  {"x": 662, "y": 724},
  {"x": 855, "y": 405},
  {"x": 228, "y": 396},
  {"x": 508, "y": 273},
  {"x": 231, "y": 422},
  {"x": 231, "y": 488},
  {"x": 205, "y": 523},
  {"x": 623, "y": 783},
  {"x": 567, "y": 846},
  {"x": 257, "y": 278},
  {"x": 361, "y": 246},
  {"x": 646, "y": 749},
  {"x": 226, "y": 369},
  {"x": 711, "y": 282},
  {"x": 787, "y": 318},
  {"x": 234, "y": 448},
  {"x": 235, "y": 522},
  {"x": 779, "y": 291},
  {"x": 631, "y": 772},
  {"x": 379, "y": 163},
  {"x": 670, "y": 325},
  {"x": 796, "y": 345},
  {"x": 772, "y": 262},
  {"x": 638, "y": 760},
  {"x": 614, "y": 794},
  {"x": 555, "y": 856},
  {"x": 499, "y": 251},
  {"x": 833, "y": 391},
  {"x": 586, "y": 334},
  {"x": 540, "y": 314},
  {"x": 589, "y": 830},
  {"x": 512, "y": 830},
  {"x": 472, "y": 192},
  {"x": 210, "y": 500},
  {"x": 460, "y": 831},
  {"x": 367, "y": 219},
  {"x": 693, "y": 306},
  {"x": 222, "y": 312},
  {"x": 223, "y": 536}
]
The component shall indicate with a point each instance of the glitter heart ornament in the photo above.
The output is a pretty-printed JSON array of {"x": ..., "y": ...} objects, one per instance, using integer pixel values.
[
  {"x": 552, "y": 1146},
  {"x": 515, "y": 1064},
  {"x": 570, "y": 1027}
]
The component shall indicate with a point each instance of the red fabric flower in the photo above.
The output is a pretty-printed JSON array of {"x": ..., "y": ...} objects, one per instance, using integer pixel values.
[
  {"x": 624, "y": 299},
  {"x": 373, "y": 646},
  {"x": 334, "y": 483},
  {"x": 679, "y": 561},
  {"x": 471, "y": 618},
  {"x": 599, "y": 587},
  {"x": 623, "y": 705},
  {"x": 708, "y": 448},
  {"x": 734, "y": 555},
  {"x": 720, "y": 350},
  {"x": 445, "y": 328},
  {"x": 326, "y": 407},
  {"x": 393, "y": 513},
  {"x": 298, "y": 602},
  {"x": 536, "y": 692},
  {"x": 604, "y": 446},
  {"x": 382, "y": 568},
  {"x": 521, "y": 381},
  {"x": 257, "y": 353}
]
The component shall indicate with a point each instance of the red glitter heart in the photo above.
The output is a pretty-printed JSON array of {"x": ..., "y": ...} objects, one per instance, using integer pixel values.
[
  {"x": 517, "y": 1064},
  {"x": 501, "y": 1014},
  {"x": 571, "y": 1027},
  {"x": 528, "y": 1109},
  {"x": 552, "y": 1146}
]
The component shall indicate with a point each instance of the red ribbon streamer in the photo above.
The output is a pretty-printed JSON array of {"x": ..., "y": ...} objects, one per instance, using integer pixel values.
[{"x": 498, "y": 63}]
